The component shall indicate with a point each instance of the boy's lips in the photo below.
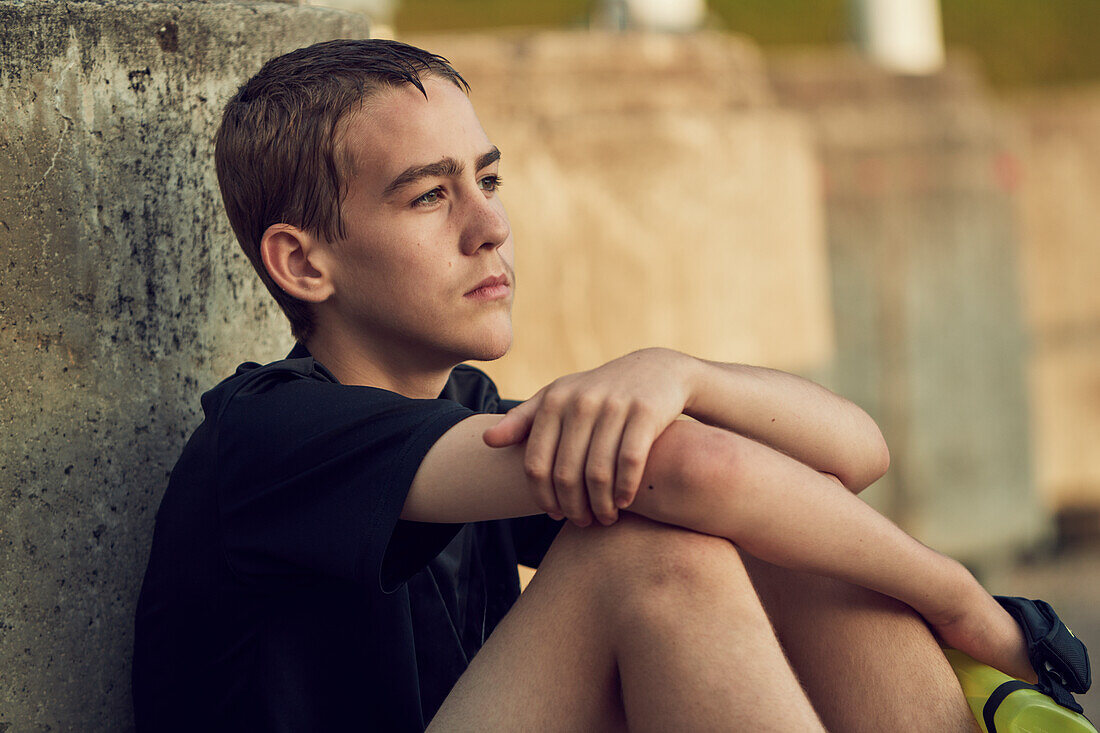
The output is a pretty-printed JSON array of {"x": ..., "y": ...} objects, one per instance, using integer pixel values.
[{"x": 492, "y": 287}]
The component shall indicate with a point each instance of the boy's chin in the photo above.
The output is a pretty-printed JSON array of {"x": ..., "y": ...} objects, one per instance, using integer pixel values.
[
  {"x": 490, "y": 349},
  {"x": 491, "y": 353}
]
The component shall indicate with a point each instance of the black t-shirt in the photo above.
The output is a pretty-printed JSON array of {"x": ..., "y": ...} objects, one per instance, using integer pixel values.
[{"x": 284, "y": 593}]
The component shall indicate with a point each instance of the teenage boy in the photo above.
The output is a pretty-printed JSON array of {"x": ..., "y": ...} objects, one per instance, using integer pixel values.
[{"x": 311, "y": 569}]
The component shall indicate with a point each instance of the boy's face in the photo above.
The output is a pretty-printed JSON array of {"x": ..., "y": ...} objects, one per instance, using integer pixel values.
[{"x": 425, "y": 228}]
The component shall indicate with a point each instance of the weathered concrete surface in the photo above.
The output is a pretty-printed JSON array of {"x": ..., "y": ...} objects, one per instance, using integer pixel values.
[
  {"x": 658, "y": 197},
  {"x": 122, "y": 297},
  {"x": 1059, "y": 192},
  {"x": 920, "y": 177}
]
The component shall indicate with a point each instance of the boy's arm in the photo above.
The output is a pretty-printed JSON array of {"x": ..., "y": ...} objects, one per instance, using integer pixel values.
[
  {"x": 705, "y": 479},
  {"x": 588, "y": 434},
  {"x": 712, "y": 481},
  {"x": 793, "y": 415},
  {"x": 717, "y": 482}
]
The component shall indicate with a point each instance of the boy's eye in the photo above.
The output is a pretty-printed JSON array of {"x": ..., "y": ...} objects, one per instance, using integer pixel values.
[
  {"x": 431, "y": 197},
  {"x": 490, "y": 183}
]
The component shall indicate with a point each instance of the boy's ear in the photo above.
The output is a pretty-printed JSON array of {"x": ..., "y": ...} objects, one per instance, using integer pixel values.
[{"x": 296, "y": 262}]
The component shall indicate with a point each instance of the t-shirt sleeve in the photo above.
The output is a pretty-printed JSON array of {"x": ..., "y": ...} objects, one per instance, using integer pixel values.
[{"x": 312, "y": 477}]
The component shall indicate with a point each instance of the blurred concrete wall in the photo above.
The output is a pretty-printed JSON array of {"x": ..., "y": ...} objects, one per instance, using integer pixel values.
[
  {"x": 658, "y": 197},
  {"x": 920, "y": 176},
  {"x": 1060, "y": 217},
  {"x": 122, "y": 297}
]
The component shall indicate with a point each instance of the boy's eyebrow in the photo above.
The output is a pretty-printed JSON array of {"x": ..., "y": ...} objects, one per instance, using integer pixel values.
[
  {"x": 489, "y": 158},
  {"x": 442, "y": 167}
]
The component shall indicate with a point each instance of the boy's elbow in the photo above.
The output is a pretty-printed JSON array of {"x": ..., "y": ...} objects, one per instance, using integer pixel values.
[
  {"x": 689, "y": 465},
  {"x": 874, "y": 465},
  {"x": 883, "y": 459}
]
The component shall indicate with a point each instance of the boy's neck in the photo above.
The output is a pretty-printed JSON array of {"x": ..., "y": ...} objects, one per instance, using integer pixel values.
[{"x": 359, "y": 362}]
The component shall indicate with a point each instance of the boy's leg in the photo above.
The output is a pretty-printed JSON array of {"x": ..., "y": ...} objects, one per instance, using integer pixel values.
[
  {"x": 868, "y": 662},
  {"x": 637, "y": 625}
]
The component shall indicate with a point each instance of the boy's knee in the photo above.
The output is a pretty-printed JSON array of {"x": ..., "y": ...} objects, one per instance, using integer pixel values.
[{"x": 639, "y": 563}]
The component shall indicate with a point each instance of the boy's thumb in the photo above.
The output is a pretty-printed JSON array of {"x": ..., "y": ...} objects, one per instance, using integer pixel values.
[{"x": 513, "y": 427}]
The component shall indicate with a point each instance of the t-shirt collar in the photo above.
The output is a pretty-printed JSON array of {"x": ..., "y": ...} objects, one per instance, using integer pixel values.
[{"x": 299, "y": 352}]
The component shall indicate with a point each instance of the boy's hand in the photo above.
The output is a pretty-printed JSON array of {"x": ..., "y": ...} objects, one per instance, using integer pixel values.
[{"x": 589, "y": 434}]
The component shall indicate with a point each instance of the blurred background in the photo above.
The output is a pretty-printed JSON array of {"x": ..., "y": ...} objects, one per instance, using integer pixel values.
[{"x": 897, "y": 198}]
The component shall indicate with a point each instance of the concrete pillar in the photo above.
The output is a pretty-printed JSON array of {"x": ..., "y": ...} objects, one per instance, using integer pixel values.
[
  {"x": 122, "y": 298},
  {"x": 920, "y": 206},
  {"x": 1059, "y": 188}
]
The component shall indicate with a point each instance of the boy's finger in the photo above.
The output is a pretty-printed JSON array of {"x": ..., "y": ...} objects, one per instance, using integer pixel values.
[
  {"x": 538, "y": 460},
  {"x": 568, "y": 472},
  {"x": 507, "y": 431},
  {"x": 515, "y": 426},
  {"x": 637, "y": 440},
  {"x": 599, "y": 472}
]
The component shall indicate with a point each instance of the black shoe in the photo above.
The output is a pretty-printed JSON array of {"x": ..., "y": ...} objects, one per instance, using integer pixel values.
[{"x": 1060, "y": 659}]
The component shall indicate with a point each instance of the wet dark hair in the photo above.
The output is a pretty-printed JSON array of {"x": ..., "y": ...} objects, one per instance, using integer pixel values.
[{"x": 278, "y": 154}]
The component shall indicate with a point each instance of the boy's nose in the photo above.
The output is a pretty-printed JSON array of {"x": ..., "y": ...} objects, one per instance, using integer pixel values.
[{"x": 487, "y": 225}]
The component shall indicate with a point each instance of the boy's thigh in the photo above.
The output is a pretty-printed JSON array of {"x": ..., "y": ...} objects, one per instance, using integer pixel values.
[
  {"x": 551, "y": 662},
  {"x": 546, "y": 666},
  {"x": 868, "y": 662}
]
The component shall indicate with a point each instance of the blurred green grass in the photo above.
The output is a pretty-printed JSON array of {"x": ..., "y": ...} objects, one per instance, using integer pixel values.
[{"x": 1021, "y": 43}]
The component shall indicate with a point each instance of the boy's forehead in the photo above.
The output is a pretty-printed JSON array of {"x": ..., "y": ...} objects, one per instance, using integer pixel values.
[{"x": 398, "y": 127}]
